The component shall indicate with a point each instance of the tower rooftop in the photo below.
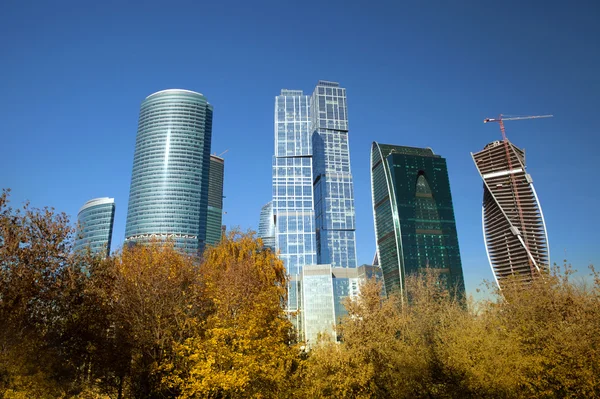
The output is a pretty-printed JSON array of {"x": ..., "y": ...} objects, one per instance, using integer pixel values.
[
  {"x": 97, "y": 201},
  {"x": 174, "y": 91}
]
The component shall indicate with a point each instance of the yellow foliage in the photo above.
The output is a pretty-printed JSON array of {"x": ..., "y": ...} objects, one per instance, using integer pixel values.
[
  {"x": 245, "y": 348},
  {"x": 540, "y": 340},
  {"x": 20, "y": 378},
  {"x": 157, "y": 301},
  {"x": 150, "y": 322}
]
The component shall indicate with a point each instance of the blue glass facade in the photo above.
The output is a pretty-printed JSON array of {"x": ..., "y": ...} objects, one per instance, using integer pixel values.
[
  {"x": 313, "y": 200},
  {"x": 266, "y": 226},
  {"x": 343, "y": 287},
  {"x": 325, "y": 290},
  {"x": 318, "y": 303},
  {"x": 333, "y": 184},
  {"x": 292, "y": 184},
  {"x": 168, "y": 197},
  {"x": 347, "y": 282},
  {"x": 95, "y": 225}
]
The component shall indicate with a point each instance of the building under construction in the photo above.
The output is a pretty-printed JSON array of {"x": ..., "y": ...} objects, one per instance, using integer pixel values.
[{"x": 513, "y": 222}]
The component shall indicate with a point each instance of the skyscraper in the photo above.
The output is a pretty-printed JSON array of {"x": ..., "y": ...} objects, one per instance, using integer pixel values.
[
  {"x": 414, "y": 216},
  {"x": 513, "y": 223},
  {"x": 312, "y": 179},
  {"x": 168, "y": 198},
  {"x": 214, "y": 216},
  {"x": 333, "y": 184},
  {"x": 292, "y": 188},
  {"x": 266, "y": 226},
  {"x": 95, "y": 225},
  {"x": 347, "y": 282},
  {"x": 324, "y": 292},
  {"x": 318, "y": 306}
]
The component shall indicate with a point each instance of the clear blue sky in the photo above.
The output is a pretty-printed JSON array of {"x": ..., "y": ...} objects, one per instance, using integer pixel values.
[{"x": 418, "y": 73}]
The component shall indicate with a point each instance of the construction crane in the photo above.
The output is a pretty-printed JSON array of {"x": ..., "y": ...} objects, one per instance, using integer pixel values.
[
  {"x": 221, "y": 154},
  {"x": 500, "y": 120}
]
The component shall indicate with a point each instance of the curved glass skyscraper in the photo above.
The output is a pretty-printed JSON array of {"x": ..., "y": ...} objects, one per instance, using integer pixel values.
[
  {"x": 94, "y": 226},
  {"x": 266, "y": 226},
  {"x": 168, "y": 198},
  {"x": 414, "y": 216}
]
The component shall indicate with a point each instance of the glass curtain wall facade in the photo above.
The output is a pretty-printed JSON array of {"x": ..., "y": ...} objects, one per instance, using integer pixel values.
[
  {"x": 95, "y": 225},
  {"x": 414, "y": 216},
  {"x": 214, "y": 216},
  {"x": 333, "y": 184},
  {"x": 266, "y": 227},
  {"x": 313, "y": 204},
  {"x": 168, "y": 198},
  {"x": 325, "y": 287},
  {"x": 514, "y": 229},
  {"x": 318, "y": 303},
  {"x": 345, "y": 284},
  {"x": 293, "y": 213}
]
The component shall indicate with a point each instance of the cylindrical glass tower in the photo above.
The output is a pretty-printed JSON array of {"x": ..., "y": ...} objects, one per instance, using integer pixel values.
[
  {"x": 266, "y": 226},
  {"x": 94, "y": 226},
  {"x": 168, "y": 197}
]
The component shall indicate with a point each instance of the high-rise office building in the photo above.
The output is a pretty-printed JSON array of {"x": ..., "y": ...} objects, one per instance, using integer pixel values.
[
  {"x": 266, "y": 226},
  {"x": 324, "y": 292},
  {"x": 312, "y": 180},
  {"x": 168, "y": 198},
  {"x": 293, "y": 213},
  {"x": 332, "y": 177},
  {"x": 414, "y": 217},
  {"x": 318, "y": 303},
  {"x": 214, "y": 217},
  {"x": 95, "y": 225},
  {"x": 513, "y": 223}
]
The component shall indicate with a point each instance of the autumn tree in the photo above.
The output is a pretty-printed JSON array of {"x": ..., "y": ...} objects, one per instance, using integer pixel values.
[
  {"x": 43, "y": 341},
  {"x": 388, "y": 346},
  {"x": 150, "y": 322},
  {"x": 244, "y": 349},
  {"x": 154, "y": 297},
  {"x": 73, "y": 324},
  {"x": 536, "y": 340},
  {"x": 367, "y": 363}
]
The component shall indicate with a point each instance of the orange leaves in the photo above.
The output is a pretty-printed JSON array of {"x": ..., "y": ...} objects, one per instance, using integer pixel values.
[
  {"x": 151, "y": 322},
  {"x": 155, "y": 300},
  {"x": 244, "y": 350}
]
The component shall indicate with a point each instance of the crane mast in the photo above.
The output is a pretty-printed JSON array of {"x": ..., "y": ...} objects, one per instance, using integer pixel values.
[{"x": 500, "y": 120}]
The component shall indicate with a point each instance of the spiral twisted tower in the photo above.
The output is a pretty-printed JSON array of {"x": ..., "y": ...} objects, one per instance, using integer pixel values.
[{"x": 513, "y": 223}]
